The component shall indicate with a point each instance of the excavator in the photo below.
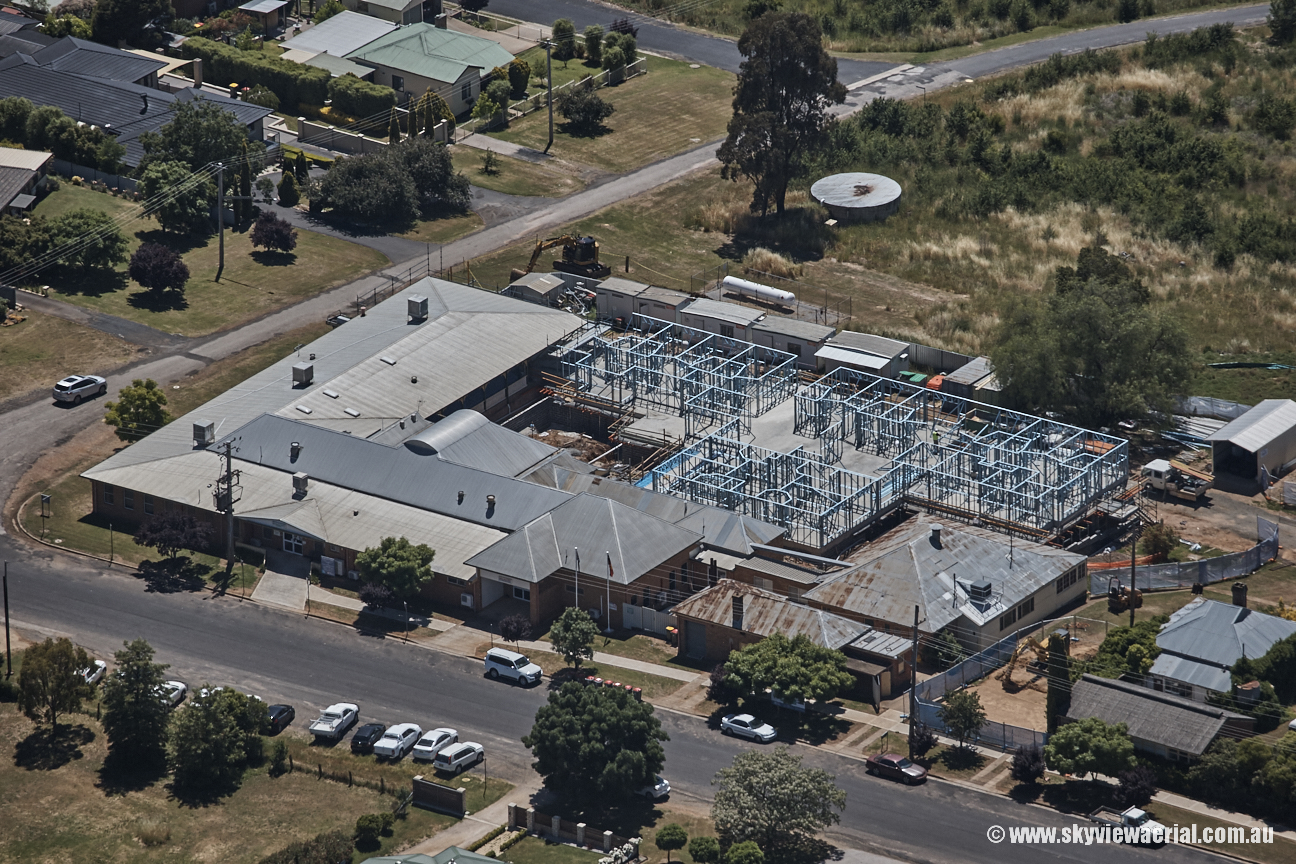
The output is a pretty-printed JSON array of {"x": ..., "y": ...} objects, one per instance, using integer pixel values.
[
  {"x": 580, "y": 257},
  {"x": 1024, "y": 648}
]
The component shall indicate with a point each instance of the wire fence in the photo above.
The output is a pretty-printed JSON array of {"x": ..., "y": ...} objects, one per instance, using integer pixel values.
[
  {"x": 809, "y": 304},
  {"x": 1207, "y": 571}
]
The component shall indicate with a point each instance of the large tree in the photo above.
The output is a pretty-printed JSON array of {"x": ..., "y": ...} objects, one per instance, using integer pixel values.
[
  {"x": 199, "y": 133},
  {"x": 178, "y": 200},
  {"x": 768, "y": 798},
  {"x": 397, "y": 563},
  {"x": 573, "y": 635},
  {"x": 210, "y": 742},
  {"x": 793, "y": 668},
  {"x": 89, "y": 238},
  {"x": 274, "y": 233},
  {"x": 128, "y": 20},
  {"x": 140, "y": 411},
  {"x": 596, "y": 744},
  {"x": 1090, "y": 746},
  {"x": 171, "y": 531},
  {"x": 158, "y": 268},
  {"x": 1282, "y": 21},
  {"x": 134, "y": 715},
  {"x": 1092, "y": 349},
  {"x": 785, "y": 84},
  {"x": 962, "y": 714},
  {"x": 1058, "y": 696},
  {"x": 50, "y": 683},
  {"x": 563, "y": 37}
]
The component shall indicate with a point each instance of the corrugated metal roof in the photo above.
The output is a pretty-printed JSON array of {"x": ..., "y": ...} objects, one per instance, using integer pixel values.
[
  {"x": 704, "y": 307},
  {"x": 337, "y": 66},
  {"x": 1257, "y": 428},
  {"x": 637, "y": 542},
  {"x": 263, "y": 6},
  {"x": 80, "y": 57},
  {"x": 803, "y": 575},
  {"x": 665, "y": 296},
  {"x": 794, "y": 327},
  {"x": 24, "y": 42},
  {"x": 12, "y": 183},
  {"x": 863, "y": 359},
  {"x": 467, "y": 438},
  {"x": 883, "y": 644},
  {"x": 541, "y": 283},
  {"x": 879, "y": 345},
  {"x": 14, "y": 23},
  {"x": 618, "y": 285},
  {"x": 441, "y": 55},
  {"x": 1192, "y": 672},
  {"x": 340, "y": 35},
  {"x": 1220, "y": 633},
  {"x": 766, "y": 613},
  {"x": 971, "y": 372},
  {"x": 32, "y": 160},
  {"x": 1155, "y": 717}
]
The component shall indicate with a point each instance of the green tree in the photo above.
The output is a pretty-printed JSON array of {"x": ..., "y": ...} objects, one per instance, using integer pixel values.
[
  {"x": 134, "y": 716},
  {"x": 519, "y": 76},
  {"x": 596, "y": 744},
  {"x": 301, "y": 168},
  {"x": 670, "y": 837},
  {"x": 704, "y": 850},
  {"x": 583, "y": 110},
  {"x": 263, "y": 96},
  {"x": 948, "y": 649},
  {"x": 199, "y": 133},
  {"x": 90, "y": 238},
  {"x": 1282, "y": 22},
  {"x": 573, "y": 635},
  {"x": 436, "y": 109},
  {"x": 289, "y": 191},
  {"x": 1160, "y": 538},
  {"x": 66, "y": 25},
  {"x": 793, "y": 668},
  {"x": 128, "y": 20},
  {"x": 50, "y": 683},
  {"x": 1058, "y": 696},
  {"x": 485, "y": 109},
  {"x": 207, "y": 746},
  {"x": 273, "y": 233},
  {"x": 171, "y": 531},
  {"x": 564, "y": 40},
  {"x": 398, "y": 564},
  {"x": 499, "y": 90},
  {"x": 22, "y": 240},
  {"x": 1093, "y": 349},
  {"x": 140, "y": 411},
  {"x": 328, "y": 10},
  {"x": 393, "y": 128},
  {"x": 1090, "y": 746},
  {"x": 1028, "y": 764},
  {"x": 962, "y": 714},
  {"x": 780, "y": 124},
  {"x": 594, "y": 45},
  {"x": 768, "y": 798},
  {"x": 746, "y": 852},
  {"x": 182, "y": 201}
]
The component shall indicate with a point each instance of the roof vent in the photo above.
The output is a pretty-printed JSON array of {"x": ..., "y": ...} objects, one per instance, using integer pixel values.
[
  {"x": 979, "y": 592},
  {"x": 936, "y": 536},
  {"x": 738, "y": 612},
  {"x": 418, "y": 307},
  {"x": 299, "y": 482},
  {"x": 390, "y": 361},
  {"x": 490, "y": 499},
  {"x": 461, "y": 496},
  {"x": 303, "y": 373},
  {"x": 294, "y": 450},
  {"x": 204, "y": 433}
]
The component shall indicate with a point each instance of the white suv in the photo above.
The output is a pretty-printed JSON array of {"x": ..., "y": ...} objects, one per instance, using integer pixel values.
[
  {"x": 512, "y": 665},
  {"x": 458, "y": 757}
]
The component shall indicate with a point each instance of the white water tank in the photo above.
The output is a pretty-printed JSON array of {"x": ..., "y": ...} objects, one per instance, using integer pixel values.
[{"x": 857, "y": 196}]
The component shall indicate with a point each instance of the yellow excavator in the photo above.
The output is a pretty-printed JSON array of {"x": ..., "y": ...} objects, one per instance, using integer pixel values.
[{"x": 580, "y": 256}]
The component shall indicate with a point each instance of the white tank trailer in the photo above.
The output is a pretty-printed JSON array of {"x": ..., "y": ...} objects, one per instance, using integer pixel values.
[{"x": 745, "y": 288}]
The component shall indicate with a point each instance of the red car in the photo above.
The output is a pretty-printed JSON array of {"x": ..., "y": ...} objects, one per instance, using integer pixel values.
[{"x": 896, "y": 767}]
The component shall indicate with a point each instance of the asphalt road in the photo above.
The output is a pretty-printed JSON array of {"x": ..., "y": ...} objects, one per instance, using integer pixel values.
[{"x": 309, "y": 663}]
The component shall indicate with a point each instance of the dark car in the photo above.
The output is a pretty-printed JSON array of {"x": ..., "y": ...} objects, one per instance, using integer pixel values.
[
  {"x": 896, "y": 767},
  {"x": 280, "y": 717},
  {"x": 366, "y": 737}
]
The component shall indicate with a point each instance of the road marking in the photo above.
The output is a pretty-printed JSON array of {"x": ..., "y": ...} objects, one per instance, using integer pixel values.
[{"x": 872, "y": 79}]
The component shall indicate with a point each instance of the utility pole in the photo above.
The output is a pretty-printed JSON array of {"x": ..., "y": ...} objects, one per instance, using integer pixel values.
[
  {"x": 548, "y": 46},
  {"x": 577, "y": 551},
  {"x": 225, "y": 501},
  {"x": 8, "y": 647},
  {"x": 220, "y": 216},
  {"x": 1138, "y": 529},
  {"x": 913, "y": 685}
]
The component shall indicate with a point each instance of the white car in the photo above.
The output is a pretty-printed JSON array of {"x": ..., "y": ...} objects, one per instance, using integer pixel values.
[
  {"x": 656, "y": 790},
  {"x": 747, "y": 726},
  {"x": 398, "y": 740},
  {"x": 458, "y": 757},
  {"x": 432, "y": 743},
  {"x": 172, "y": 693},
  {"x": 335, "y": 721},
  {"x": 1292, "y": 725},
  {"x": 74, "y": 388},
  {"x": 94, "y": 673},
  {"x": 204, "y": 693}
]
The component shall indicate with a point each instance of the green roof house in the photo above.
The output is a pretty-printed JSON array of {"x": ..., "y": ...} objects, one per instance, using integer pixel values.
[{"x": 411, "y": 59}]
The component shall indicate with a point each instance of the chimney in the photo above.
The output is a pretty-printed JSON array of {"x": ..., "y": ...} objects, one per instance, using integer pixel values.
[
  {"x": 1240, "y": 594},
  {"x": 300, "y": 480},
  {"x": 197, "y": 72},
  {"x": 936, "y": 536},
  {"x": 738, "y": 612},
  {"x": 294, "y": 450}
]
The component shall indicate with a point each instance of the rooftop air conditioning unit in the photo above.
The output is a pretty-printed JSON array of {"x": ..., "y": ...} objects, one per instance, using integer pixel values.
[
  {"x": 979, "y": 592},
  {"x": 299, "y": 482},
  {"x": 303, "y": 373},
  {"x": 204, "y": 433},
  {"x": 418, "y": 307}
]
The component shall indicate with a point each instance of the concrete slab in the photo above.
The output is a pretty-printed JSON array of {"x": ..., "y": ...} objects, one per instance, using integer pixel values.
[{"x": 281, "y": 589}]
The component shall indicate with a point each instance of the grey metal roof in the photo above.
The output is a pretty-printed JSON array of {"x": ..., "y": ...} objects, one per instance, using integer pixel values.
[
  {"x": 12, "y": 183},
  {"x": 32, "y": 160},
  {"x": 665, "y": 296},
  {"x": 865, "y": 359},
  {"x": 1158, "y": 718},
  {"x": 263, "y": 6},
  {"x": 80, "y": 57},
  {"x": 618, "y": 285},
  {"x": 1220, "y": 634},
  {"x": 906, "y": 568},
  {"x": 766, "y": 613},
  {"x": 855, "y": 189},
  {"x": 1255, "y": 429},
  {"x": 719, "y": 310},
  {"x": 24, "y": 41},
  {"x": 794, "y": 327},
  {"x": 337, "y": 66},
  {"x": 14, "y": 23},
  {"x": 803, "y": 575},
  {"x": 541, "y": 283},
  {"x": 341, "y": 34},
  {"x": 883, "y": 644},
  {"x": 971, "y": 372},
  {"x": 637, "y": 542},
  {"x": 879, "y": 345},
  {"x": 1189, "y": 671},
  {"x": 467, "y": 438}
]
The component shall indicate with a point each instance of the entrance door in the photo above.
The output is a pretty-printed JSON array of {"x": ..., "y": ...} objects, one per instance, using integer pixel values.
[
  {"x": 695, "y": 639},
  {"x": 293, "y": 543}
]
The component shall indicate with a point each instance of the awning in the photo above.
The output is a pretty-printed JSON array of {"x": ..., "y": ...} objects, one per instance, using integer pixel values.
[{"x": 22, "y": 202}]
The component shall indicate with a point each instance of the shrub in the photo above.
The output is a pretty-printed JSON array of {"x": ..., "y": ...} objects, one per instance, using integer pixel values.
[
  {"x": 279, "y": 759},
  {"x": 368, "y": 829},
  {"x": 324, "y": 849},
  {"x": 292, "y": 83},
  {"x": 594, "y": 44},
  {"x": 274, "y": 233},
  {"x": 359, "y": 98},
  {"x": 766, "y": 261},
  {"x": 704, "y": 850},
  {"x": 1159, "y": 538},
  {"x": 151, "y": 832},
  {"x": 1137, "y": 786},
  {"x": 922, "y": 738},
  {"x": 375, "y": 594},
  {"x": 1028, "y": 764},
  {"x": 583, "y": 110},
  {"x": 263, "y": 96},
  {"x": 289, "y": 192},
  {"x": 519, "y": 75}
]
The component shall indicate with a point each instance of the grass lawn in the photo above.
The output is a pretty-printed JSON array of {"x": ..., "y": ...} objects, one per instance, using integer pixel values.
[
  {"x": 639, "y": 646},
  {"x": 253, "y": 282},
  {"x": 534, "y": 850},
  {"x": 1248, "y": 386},
  {"x": 945, "y": 761},
  {"x": 514, "y": 176},
  {"x": 671, "y": 109},
  {"x": 58, "y": 808},
  {"x": 39, "y": 351},
  {"x": 1280, "y": 851},
  {"x": 444, "y": 230}
]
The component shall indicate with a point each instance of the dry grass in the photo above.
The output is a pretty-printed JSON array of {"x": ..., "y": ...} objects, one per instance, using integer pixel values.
[
  {"x": 41, "y": 350},
  {"x": 764, "y": 260}
]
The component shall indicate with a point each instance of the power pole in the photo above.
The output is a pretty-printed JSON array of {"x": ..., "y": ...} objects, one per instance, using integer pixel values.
[
  {"x": 548, "y": 46},
  {"x": 913, "y": 686},
  {"x": 1138, "y": 529},
  {"x": 225, "y": 501},
  {"x": 8, "y": 647},
  {"x": 220, "y": 216}
]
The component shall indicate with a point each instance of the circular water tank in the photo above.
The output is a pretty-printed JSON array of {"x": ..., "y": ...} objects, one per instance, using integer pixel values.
[{"x": 857, "y": 197}]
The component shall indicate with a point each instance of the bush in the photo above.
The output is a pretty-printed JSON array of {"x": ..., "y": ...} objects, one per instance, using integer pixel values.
[
  {"x": 1137, "y": 786},
  {"x": 273, "y": 233},
  {"x": 375, "y": 594},
  {"x": 279, "y": 759},
  {"x": 327, "y": 848},
  {"x": 263, "y": 96},
  {"x": 368, "y": 829},
  {"x": 922, "y": 738},
  {"x": 1028, "y": 764},
  {"x": 289, "y": 192},
  {"x": 704, "y": 850},
  {"x": 293, "y": 83},
  {"x": 519, "y": 75},
  {"x": 1160, "y": 539},
  {"x": 359, "y": 98},
  {"x": 583, "y": 110},
  {"x": 158, "y": 268},
  {"x": 719, "y": 690}
]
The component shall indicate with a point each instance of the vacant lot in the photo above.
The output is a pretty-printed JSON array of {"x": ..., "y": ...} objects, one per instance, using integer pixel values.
[
  {"x": 671, "y": 109},
  {"x": 444, "y": 230},
  {"x": 516, "y": 176},
  {"x": 43, "y": 349},
  {"x": 254, "y": 282}
]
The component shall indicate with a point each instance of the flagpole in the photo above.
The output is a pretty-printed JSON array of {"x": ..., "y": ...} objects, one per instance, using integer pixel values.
[
  {"x": 577, "y": 551},
  {"x": 608, "y": 631}
]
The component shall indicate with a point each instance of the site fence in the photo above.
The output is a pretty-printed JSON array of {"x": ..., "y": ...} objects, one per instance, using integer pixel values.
[
  {"x": 836, "y": 313},
  {"x": 1205, "y": 406},
  {"x": 1204, "y": 572}
]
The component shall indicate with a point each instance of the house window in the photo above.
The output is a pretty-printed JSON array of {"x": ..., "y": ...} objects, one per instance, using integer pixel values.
[
  {"x": 571, "y": 589},
  {"x": 466, "y": 92},
  {"x": 109, "y": 496},
  {"x": 148, "y": 504},
  {"x": 794, "y": 348},
  {"x": 128, "y": 499},
  {"x": 727, "y": 330},
  {"x": 333, "y": 550},
  {"x": 455, "y": 580},
  {"x": 672, "y": 580},
  {"x": 1007, "y": 619},
  {"x": 1026, "y": 607},
  {"x": 763, "y": 582},
  {"x": 1067, "y": 580},
  {"x": 398, "y": 83},
  {"x": 521, "y": 593}
]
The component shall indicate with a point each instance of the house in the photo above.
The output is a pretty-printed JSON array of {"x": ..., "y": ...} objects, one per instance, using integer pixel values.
[
  {"x": 339, "y": 36},
  {"x": 270, "y": 14},
  {"x": 1201, "y": 642},
  {"x": 80, "y": 57},
  {"x": 1259, "y": 445},
  {"x": 978, "y": 584},
  {"x": 419, "y": 57},
  {"x": 803, "y": 339},
  {"x": 450, "y": 855},
  {"x": 865, "y": 352},
  {"x": 1160, "y": 724},
  {"x": 22, "y": 172},
  {"x": 397, "y": 11}
]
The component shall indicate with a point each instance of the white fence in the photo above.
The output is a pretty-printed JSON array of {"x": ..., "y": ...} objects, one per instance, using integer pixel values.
[{"x": 643, "y": 618}]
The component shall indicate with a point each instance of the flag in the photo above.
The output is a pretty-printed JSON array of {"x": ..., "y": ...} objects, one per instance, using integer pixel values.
[{"x": 609, "y": 556}]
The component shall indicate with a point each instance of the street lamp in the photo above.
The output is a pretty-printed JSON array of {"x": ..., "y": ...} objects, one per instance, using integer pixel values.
[{"x": 405, "y": 603}]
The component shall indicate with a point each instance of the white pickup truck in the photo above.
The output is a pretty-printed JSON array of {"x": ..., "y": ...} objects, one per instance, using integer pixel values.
[
  {"x": 335, "y": 721},
  {"x": 1141, "y": 828}
]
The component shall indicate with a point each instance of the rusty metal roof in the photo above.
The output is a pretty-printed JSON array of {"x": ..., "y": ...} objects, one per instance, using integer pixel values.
[{"x": 766, "y": 613}]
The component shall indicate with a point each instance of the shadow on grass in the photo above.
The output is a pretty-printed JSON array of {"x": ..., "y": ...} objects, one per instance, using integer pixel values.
[
  {"x": 87, "y": 283},
  {"x": 962, "y": 759},
  {"x": 47, "y": 749},
  {"x": 590, "y": 132},
  {"x": 274, "y": 258},
  {"x": 178, "y": 243},
  {"x": 122, "y": 774},
  {"x": 1079, "y": 796},
  {"x": 798, "y": 233},
  {"x": 1026, "y": 793},
  {"x": 158, "y": 301},
  {"x": 173, "y": 575},
  {"x": 206, "y": 790},
  {"x": 349, "y": 227}
]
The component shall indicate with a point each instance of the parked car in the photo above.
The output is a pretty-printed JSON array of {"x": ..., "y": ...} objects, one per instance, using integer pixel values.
[
  {"x": 1150, "y": 832},
  {"x": 433, "y": 742},
  {"x": 335, "y": 721},
  {"x": 1292, "y": 725},
  {"x": 94, "y": 673},
  {"x": 398, "y": 740},
  {"x": 74, "y": 388},
  {"x": 896, "y": 767},
  {"x": 458, "y": 757},
  {"x": 747, "y": 726},
  {"x": 656, "y": 790},
  {"x": 366, "y": 737},
  {"x": 502, "y": 663},
  {"x": 172, "y": 693},
  {"x": 280, "y": 716}
]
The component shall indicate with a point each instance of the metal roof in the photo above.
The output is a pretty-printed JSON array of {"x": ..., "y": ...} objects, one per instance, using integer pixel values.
[
  {"x": 540, "y": 283},
  {"x": 467, "y": 438},
  {"x": 1257, "y": 428},
  {"x": 766, "y": 613},
  {"x": 1220, "y": 634},
  {"x": 971, "y": 372},
  {"x": 426, "y": 50},
  {"x": 883, "y": 644},
  {"x": 14, "y": 23},
  {"x": 618, "y": 285},
  {"x": 1195, "y": 672},
  {"x": 337, "y": 66},
  {"x": 879, "y": 345},
  {"x": 637, "y": 543},
  {"x": 855, "y": 189},
  {"x": 862, "y": 359},
  {"x": 24, "y": 42},
  {"x": 718, "y": 310},
  {"x": 340, "y": 35},
  {"x": 12, "y": 183},
  {"x": 263, "y": 6},
  {"x": 1158, "y": 718},
  {"x": 80, "y": 57},
  {"x": 803, "y": 575},
  {"x": 794, "y": 327},
  {"x": 32, "y": 160},
  {"x": 665, "y": 296}
]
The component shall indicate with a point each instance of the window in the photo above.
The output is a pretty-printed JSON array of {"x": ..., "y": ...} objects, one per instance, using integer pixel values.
[
  {"x": 465, "y": 92},
  {"x": 521, "y": 593},
  {"x": 455, "y": 580},
  {"x": 727, "y": 330},
  {"x": 794, "y": 348},
  {"x": 398, "y": 83},
  {"x": 148, "y": 504},
  {"x": 763, "y": 582},
  {"x": 672, "y": 580},
  {"x": 571, "y": 589},
  {"x": 1067, "y": 580},
  {"x": 1026, "y": 607},
  {"x": 1007, "y": 619},
  {"x": 128, "y": 499},
  {"x": 109, "y": 496},
  {"x": 333, "y": 550}
]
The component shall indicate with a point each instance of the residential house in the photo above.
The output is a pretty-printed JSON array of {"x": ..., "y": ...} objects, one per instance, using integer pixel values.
[
  {"x": 419, "y": 57},
  {"x": 339, "y": 36},
  {"x": 270, "y": 14},
  {"x": 22, "y": 173},
  {"x": 450, "y": 855},
  {"x": 80, "y": 57},
  {"x": 397, "y": 11}
]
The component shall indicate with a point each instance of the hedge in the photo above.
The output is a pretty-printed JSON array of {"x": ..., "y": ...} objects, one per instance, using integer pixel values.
[
  {"x": 292, "y": 82},
  {"x": 359, "y": 98}
]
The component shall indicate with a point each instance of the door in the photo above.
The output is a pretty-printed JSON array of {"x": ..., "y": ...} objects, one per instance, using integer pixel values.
[
  {"x": 695, "y": 639},
  {"x": 293, "y": 543}
]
